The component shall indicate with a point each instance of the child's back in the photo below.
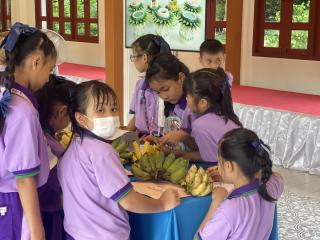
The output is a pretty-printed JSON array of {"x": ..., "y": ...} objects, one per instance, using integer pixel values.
[{"x": 245, "y": 214}]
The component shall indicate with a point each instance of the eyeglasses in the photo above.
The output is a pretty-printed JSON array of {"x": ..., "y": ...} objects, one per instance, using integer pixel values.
[{"x": 134, "y": 57}]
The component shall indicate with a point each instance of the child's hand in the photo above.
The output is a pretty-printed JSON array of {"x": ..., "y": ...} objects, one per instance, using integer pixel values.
[
  {"x": 214, "y": 174},
  {"x": 173, "y": 137},
  {"x": 169, "y": 199},
  {"x": 150, "y": 138},
  {"x": 219, "y": 193}
]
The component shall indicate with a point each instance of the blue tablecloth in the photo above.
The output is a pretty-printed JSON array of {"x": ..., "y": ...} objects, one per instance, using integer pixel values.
[{"x": 178, "y": 224}]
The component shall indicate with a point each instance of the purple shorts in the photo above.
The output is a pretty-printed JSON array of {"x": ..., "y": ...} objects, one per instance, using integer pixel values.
[{"x": 11, "y": 214}]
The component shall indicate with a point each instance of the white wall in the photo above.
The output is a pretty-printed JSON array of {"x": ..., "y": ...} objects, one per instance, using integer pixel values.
[
  {"x": 274, "y": 73},
  {"x": 77, "y": 52}
]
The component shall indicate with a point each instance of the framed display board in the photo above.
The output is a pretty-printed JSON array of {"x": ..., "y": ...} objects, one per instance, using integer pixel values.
[{"x": 180, "y": 22}]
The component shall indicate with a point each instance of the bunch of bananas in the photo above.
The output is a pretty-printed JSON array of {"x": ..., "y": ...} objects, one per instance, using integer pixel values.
[
  {"x": 122, "y": 149},
  {"x": 146, "y": 149},
  {"x": 197, "y": 182},
  {"x": 158, "y": 167},
  {"x": 64, "y": 137}
]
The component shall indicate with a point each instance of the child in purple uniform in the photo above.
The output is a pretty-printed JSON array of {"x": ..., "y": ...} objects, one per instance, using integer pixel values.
[
  {"x": 54, "y": 105},
  {"x": 96, "y": 189},
  {"x": 248, "y": 211},
  {"x": 209, "y": 97},
  {"x": 24, "y": 166},
  {"x": 166, "y": 75},
  {"x": 145, "y": 102},
  {"x": 212, "y": 55}
]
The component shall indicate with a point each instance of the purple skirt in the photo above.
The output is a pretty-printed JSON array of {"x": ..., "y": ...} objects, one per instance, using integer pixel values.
[{"x": 11, "y": 214}]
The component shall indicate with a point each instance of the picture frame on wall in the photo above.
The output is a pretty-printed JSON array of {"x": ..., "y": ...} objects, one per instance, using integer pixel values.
[{"x": 182, "y": 23}]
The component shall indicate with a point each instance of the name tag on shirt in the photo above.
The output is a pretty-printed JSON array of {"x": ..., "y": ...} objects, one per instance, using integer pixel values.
[{"x": 3, "y": 211}]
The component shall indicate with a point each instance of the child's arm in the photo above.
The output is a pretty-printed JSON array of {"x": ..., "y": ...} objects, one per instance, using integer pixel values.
[
  {"x": 175, "y": 137},
  {"x": 29, "y": 199},
  {"x": 132, "y": 124},
  {"x": 218, "y": 195},
  {"x": 138, "y": 203}
]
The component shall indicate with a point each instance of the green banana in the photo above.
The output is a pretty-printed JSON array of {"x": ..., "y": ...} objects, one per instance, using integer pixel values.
[
  {"x": 116, "y": 142},
  {"x": 178, "y": 175},
  {"x": 122, "y": 147},
  {"x": 137, "y": 171},
  {"x": 125, "y": 155},
  {"x": 177, "y": 164},
  {"x": 168, "y": 161},
  {"x": 152, "y": 162},
  {"x": 159, "y": 158},
  {"x": 145, "y": 164},
  {"x": 123, "y": 161}
]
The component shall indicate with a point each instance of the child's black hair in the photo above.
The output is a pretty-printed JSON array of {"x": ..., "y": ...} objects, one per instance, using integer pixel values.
[
  {"x": 57, "y": 90},
  {"x": 166, "y": 67},
  {"x": 212, "y": 85},
  {"x": 101, "y": 93},
  {"x": 244, "y": 147},
  {"x": 151, "y": 45},
  {"x": 25, "y": 45},
  {"x": 211, "y": 46}
]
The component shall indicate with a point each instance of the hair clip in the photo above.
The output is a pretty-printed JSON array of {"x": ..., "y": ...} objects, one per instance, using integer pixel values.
[
  {"x": 162, "y": 44},
  {"x": 16, "y": 30},
  {"x": 260, "y": 146}
]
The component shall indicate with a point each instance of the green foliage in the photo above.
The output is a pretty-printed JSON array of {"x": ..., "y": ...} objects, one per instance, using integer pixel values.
[{"x": 80, "y": 14}]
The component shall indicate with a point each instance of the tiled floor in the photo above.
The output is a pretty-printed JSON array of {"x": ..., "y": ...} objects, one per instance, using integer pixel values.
[
  {"x": 300, "y": 182},
  {"x": 299, "y": 206}
]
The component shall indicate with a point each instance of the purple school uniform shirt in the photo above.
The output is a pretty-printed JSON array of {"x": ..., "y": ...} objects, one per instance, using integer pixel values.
[
  {"x": 207, "y": 130},
  {"x": 144, "y": 105},
  {"x": 93, "y": 181},
  {"x": 23, "y": 154},
  {"x": 244, "y": 214},
  {"x": 23, "y": 146},
  {"x": 56, "y": 148}
]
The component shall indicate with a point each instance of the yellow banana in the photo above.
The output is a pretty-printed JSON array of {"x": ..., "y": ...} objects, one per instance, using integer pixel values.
[
  {"x": 197, "y": 181},
  {"x": 206, "y": 191},
  {"x": 198, "y": 190},
  {"x": 145, "y": 147},
  {"x": 136, "y": 149}
]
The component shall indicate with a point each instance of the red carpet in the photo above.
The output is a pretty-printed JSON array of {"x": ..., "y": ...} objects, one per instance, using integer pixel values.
[
  {"x": 96, "y": 73},
  {"x": 289, "y": 101}
]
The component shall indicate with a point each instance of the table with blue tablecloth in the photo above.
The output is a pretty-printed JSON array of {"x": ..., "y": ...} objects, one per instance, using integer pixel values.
[{"x": 180, "y": 223}]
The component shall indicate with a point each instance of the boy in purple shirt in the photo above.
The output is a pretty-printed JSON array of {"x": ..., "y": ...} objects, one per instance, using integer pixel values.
[
  {"x": 212, "y": 55},
  {"x": 248, "y": 211},
  {"x": 96, "y": 189},
  {"x": 145, "y": 102},
  {"x": 24, "y": 165}
]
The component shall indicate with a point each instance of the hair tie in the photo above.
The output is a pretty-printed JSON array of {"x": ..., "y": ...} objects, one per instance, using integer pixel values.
[
  {"x": 226, "y": 85},
  {"x": 259, "y": 147},
  {"x": 5, "y": 98},
  {"x": 162, "y": 44},
  {"x": 16, "y": 30}
]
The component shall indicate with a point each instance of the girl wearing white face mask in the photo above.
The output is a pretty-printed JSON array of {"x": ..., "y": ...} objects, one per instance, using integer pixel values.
[{"x": 96, "y": 189}]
